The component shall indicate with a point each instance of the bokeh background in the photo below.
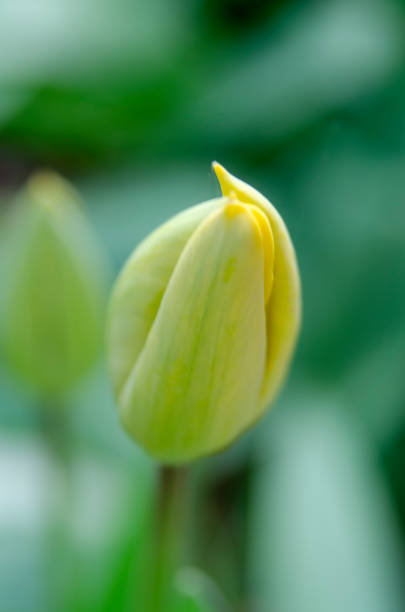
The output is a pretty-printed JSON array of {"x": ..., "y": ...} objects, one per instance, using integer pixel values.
[{"x": 131, "y": 101}]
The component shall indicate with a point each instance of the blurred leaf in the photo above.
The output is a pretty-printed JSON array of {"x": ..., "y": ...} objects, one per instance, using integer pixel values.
[
  {"x": 87, "y": 40},
  {"x": 319, "y": 58},
  {"x": 324, "y": 535},
  {"x": 10, "y": 103},
  {"x": 380, "y": 404},
  {"x": 108, "y": 519},
  {"x": 198, "y": 593}
]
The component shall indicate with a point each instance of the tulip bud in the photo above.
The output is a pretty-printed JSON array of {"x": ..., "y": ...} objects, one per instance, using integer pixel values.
[
  {"x": 53, "y": 290},
  {"x": 202, "y": 324}
]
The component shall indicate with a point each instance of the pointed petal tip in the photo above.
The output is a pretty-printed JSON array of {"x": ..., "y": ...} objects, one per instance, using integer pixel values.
[
  {"x": 223, "y": 177},
  {"x": 217, "y": 168}
]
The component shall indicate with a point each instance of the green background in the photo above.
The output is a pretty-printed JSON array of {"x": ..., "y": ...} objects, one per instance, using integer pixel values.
[{"x": 131, "y": 101}]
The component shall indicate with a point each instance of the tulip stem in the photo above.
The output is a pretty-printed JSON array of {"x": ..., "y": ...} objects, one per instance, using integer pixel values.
[
  {"x": 55, "y": 433},
  {"x": 169, "y": 536}
]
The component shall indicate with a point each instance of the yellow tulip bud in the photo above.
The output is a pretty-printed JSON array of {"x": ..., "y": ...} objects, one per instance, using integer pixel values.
[
  {"x": 53, "y": 289},
  {"x": 203, "y": 321}
]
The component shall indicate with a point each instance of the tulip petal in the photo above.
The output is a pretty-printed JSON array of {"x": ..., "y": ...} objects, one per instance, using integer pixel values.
[
  {"x": 140, "y": 287},
  {"x": 200, "y": 371},
  {"x": 283, "y": 310}
]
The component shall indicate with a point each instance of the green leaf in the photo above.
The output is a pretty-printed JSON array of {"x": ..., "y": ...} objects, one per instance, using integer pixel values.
[{"x": 324, "y": 536}]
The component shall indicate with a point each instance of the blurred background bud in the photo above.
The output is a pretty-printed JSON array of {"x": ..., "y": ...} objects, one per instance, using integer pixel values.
[{"x": 53, "y": 286}]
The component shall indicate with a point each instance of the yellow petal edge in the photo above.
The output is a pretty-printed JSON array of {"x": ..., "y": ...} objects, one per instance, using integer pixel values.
[{"x": 283, "y": 310}]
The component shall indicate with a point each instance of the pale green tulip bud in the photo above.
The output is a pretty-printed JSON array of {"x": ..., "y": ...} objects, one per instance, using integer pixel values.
[
  {"x": 202, "y": 324},
  {"x": 53, "y": 289}
]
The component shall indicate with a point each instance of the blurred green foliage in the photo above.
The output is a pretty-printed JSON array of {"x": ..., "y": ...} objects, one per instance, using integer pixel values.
[{"x": 132, "y": 101}]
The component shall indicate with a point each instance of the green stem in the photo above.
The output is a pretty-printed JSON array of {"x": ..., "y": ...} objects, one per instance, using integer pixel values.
[
  {"x": 55, "y": 433},
  {"x": 169, "y": 536}
]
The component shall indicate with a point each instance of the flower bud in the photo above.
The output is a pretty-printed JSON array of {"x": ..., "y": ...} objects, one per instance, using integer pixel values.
[
  {"x": 202, "y": 324},
  {"x": 53, "y": 290}
]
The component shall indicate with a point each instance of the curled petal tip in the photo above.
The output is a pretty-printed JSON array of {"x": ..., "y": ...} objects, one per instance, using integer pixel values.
[{"x": 224, "y": 178}]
